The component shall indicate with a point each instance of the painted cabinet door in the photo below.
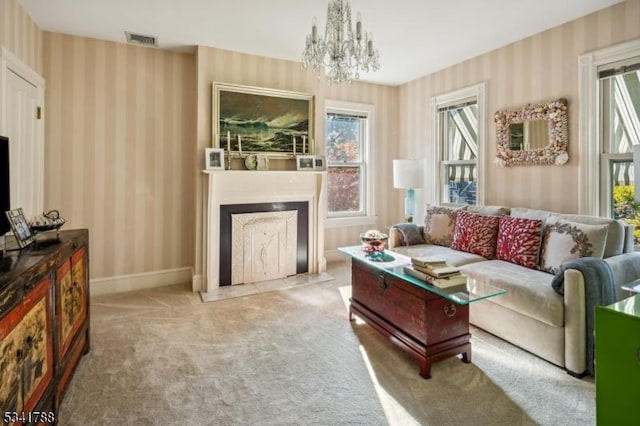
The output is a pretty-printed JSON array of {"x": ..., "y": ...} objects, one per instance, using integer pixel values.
[
  {"x": 618, "y": 363},
  {"x": 71, "y": 296},
  {"x": 26, "y": 351}
]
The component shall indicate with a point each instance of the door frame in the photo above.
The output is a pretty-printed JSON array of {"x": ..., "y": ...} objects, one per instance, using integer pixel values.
[{"x": 11, "y": 63}]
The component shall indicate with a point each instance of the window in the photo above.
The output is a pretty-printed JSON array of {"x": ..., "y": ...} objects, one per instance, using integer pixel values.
[
  {"x": 600, "y": 161},
  {"x": 348, "y": 138},
  {"x": 459, "y": 136},
  {"x": 619, "y": 117}
]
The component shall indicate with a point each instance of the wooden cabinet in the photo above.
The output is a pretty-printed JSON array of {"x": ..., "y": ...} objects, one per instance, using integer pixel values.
[
  {"x": 26, "y": 351},
  {"x": 427, "y": 326},
  {"x": 71, "y": 307},
  {"x": 617, "y": 360},
  {"x": 44, "y": 325}
]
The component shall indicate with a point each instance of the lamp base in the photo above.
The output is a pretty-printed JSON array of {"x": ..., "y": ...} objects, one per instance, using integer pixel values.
[{"x": 409, "y": 206}]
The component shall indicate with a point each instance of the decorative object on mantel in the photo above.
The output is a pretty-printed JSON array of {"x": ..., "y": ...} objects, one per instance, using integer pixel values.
[
  {"x": 342, "y": 52},
  {"x": 535, "y": 134},
  {"x": 251, "y": 162},
  {"x": 320, "y": 162},
  {"x": 214, "y": 159},
  {"x": 254, "y": 120},
  {"x": 305, "y": 162},
  {"x": 409, "y": 175}
]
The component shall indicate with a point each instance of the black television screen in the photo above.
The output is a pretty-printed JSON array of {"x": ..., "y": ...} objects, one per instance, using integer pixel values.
[{"x": 5, "y": 199}]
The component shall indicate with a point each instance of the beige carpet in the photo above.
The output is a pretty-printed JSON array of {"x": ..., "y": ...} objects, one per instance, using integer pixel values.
[
  {"x": 233, "y": 291},
  {"x": 291, "y": 357}
]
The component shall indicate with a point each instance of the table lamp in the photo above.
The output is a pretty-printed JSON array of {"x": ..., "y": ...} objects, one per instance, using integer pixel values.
[{"x": 409, "y": 175}]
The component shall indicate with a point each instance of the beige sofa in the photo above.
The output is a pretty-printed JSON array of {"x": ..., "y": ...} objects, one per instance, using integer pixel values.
[{"x": 531, "y": 314}]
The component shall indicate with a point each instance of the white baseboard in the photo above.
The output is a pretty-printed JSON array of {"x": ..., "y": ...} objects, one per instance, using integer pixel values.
[
  {"x": 141, "y": 281},
  {"x": 196, "y": 283},
  {"x": 335, "y": 256}
]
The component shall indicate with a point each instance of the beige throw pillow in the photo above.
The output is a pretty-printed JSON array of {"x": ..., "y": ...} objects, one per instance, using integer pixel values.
[
  {"x": 439, "y": 223},
  {"x": 564, "y": 241}
]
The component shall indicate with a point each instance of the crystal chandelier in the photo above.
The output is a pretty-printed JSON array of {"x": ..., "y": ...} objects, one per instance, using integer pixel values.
[{"x": 343, "y": 52}]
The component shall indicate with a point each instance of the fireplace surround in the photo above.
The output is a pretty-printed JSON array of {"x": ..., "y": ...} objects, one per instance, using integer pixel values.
[
  {"x": 243, "y": 191},
  {"x": 227, "y": 212}
]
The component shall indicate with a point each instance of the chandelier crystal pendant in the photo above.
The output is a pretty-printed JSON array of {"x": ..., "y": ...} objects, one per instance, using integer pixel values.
[{"x": 342, "y": 52}]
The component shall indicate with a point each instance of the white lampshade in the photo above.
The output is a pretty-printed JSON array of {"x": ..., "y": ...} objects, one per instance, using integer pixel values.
[{"x": 408, "y": 174}]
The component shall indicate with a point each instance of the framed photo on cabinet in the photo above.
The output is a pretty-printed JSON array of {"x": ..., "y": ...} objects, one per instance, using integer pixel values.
[{"x": 20, "y": 227}]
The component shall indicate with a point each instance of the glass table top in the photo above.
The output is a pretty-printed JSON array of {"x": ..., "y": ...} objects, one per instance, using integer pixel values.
[{"x": 394, "y": 263}]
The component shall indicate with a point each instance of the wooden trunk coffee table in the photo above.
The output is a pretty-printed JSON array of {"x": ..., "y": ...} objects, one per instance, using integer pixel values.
[{"x": 430, "y": 323}]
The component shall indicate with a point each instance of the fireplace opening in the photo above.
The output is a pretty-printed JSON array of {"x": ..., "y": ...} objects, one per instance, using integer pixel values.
[{"x": 226, "y": 233}]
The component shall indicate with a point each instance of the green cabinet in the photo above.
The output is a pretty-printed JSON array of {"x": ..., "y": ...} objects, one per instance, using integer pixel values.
[{"x": 618, "y": 363}]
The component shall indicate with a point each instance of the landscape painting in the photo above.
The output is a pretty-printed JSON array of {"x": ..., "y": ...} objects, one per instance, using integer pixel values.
[{"x": 266, "y": 121}]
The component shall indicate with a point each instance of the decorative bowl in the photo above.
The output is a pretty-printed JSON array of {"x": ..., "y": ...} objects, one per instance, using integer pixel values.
[
  {"x": 373, "y": 240},
  {"x": 46, "y": 222}
]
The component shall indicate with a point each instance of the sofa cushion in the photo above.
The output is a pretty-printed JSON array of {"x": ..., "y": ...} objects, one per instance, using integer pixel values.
[
  {"x": 529, "y": 292},
  {"x": 564, "y": 240},
  {"x": 439, "y": 223},
  {"x": 452, "y": 257},
  {"x": 519, "y": 241},
  {"x": 615, "y": 243},
  {"x": 489, "y": 210},
  {"x": 476, "y": 233},
  {"x": 411, "y": 233}
]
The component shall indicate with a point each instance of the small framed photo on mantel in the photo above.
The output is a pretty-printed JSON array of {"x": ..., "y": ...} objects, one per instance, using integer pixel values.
[
  {"x": 319, "y": 162},
  {"x": 214, "y": 159},
  {"x": 305, "y": 162}
]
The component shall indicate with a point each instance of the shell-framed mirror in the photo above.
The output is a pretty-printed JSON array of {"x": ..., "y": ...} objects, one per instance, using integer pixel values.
[{"x": 534, "y": 134}]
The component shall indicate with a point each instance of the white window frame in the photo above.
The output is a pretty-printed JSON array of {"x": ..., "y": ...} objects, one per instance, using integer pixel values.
[
  {"x": 438, "y": 163},
  {"x": 368, "y": 216},
  {"x": 591, "y": 196}
]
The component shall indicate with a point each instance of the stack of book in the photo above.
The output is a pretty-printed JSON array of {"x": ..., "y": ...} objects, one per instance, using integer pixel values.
[{"x": 435, "y": 271}]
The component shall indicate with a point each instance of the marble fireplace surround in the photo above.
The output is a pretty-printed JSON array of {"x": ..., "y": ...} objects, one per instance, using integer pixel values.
[{"x": 245, "y": 187}]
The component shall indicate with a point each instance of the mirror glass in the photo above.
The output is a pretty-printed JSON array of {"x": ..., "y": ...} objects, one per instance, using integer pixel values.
[{"x": 532, "y": 134}]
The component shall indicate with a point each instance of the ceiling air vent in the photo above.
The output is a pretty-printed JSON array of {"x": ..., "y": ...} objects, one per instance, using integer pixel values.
[{"x": 145, "y": 40}]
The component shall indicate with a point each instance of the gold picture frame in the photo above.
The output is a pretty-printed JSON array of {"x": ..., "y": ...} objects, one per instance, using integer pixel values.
[{"x": 253, "y": 120}]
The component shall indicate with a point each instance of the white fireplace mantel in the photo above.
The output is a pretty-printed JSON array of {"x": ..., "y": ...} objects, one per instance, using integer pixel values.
[{"x": 251, "y": 187}]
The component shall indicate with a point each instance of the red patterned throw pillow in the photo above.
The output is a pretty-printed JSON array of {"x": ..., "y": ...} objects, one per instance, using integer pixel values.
[
  {"x": 519, "y": 241},
  {"x": 476, "y": 233}
]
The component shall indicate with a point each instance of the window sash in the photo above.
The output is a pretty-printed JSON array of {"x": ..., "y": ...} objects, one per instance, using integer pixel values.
[{"x": 359, "y": 162}]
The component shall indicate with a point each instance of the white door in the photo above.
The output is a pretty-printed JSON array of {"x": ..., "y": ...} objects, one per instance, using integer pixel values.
[{"x": 26, "y": 150}]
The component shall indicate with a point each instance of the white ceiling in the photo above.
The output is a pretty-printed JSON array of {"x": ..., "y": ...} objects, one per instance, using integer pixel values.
[{"x": 414, "y": 37}]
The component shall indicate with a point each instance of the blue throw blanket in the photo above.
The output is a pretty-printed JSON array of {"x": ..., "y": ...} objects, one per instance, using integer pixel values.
[{"x": 599, "y": 290}]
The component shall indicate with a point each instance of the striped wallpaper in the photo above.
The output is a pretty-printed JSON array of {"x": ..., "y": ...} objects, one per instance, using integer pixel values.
[
  {"x": 126, "y": 128},
  {"x": 120, "y": 146},
  {"x": 237, "y": 68},
  {"x": 539, "y": 68},
  {"x": 20, "y": 34}
]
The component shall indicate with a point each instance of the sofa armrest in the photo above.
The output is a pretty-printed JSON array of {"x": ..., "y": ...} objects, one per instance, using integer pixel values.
[
  {"x": 625, "y": 268},
  {"x": 575, "y": 326},
  {"x": 396, "y": 239}
]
